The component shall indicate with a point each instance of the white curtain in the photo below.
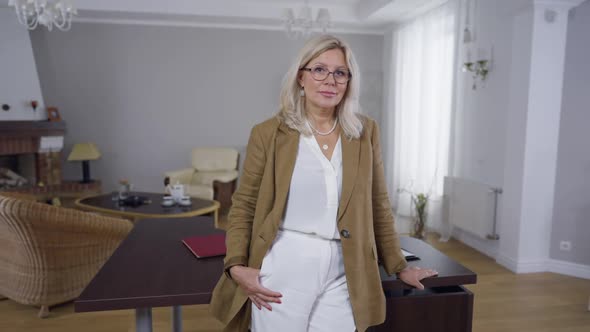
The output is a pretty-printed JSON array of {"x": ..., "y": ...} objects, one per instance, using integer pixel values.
[{"x": 423, "y": 76}]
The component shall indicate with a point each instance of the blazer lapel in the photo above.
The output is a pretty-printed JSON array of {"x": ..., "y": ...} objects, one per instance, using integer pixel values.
[
  {"x": 286, "y": 148},
  {"x": 350, "y": 164}
]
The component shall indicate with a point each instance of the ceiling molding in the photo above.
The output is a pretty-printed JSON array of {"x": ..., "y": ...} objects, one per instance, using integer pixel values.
[
  {"x": 233, "y": 22},
  {"x": 562, "y": 3},
  {"x": 348, "y": 16},
  {"x": 221, "y": 24},
  {"x": 368, "y": 8}
]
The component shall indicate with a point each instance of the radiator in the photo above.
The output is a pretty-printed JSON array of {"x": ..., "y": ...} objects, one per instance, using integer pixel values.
[{"x": 471, "y": 206}]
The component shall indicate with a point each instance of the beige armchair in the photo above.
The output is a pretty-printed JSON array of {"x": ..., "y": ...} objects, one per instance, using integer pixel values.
[
  {"x": 49, "y": 254},
  {"x": 213, "y": 175}
]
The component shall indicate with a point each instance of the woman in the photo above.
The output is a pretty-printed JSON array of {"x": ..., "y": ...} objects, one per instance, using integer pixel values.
[{"x": 311, "y": 218}]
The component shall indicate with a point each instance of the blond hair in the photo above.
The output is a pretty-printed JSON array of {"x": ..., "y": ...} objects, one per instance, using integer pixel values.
[{"x": 292, "y": 108}]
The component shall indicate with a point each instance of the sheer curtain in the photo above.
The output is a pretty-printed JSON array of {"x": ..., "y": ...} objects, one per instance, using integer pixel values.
[{"x": 423, "y": 75}]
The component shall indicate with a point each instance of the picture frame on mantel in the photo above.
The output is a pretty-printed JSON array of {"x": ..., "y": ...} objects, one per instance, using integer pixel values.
[{"x": 53, "y": 114}]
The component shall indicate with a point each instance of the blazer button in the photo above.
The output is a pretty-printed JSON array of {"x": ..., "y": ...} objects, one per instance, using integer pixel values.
[{"x": 345, "y": 233}]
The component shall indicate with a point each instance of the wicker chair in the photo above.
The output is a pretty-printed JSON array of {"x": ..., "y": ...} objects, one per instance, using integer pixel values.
[{"x": 48, "y": 254}]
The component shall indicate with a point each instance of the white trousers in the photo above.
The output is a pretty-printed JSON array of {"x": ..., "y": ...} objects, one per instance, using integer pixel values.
[{"x": 309, "y": 272}]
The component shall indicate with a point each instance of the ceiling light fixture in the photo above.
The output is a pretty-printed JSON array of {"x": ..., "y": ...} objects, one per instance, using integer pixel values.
[
  {"x": 303, "y": 25},
  {"x": 31, "y": 13}
]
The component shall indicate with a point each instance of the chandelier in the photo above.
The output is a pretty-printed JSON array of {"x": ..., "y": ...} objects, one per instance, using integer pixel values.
[
  {"x": 304, "y": 25},
  {"x": 45, "y": 12}
]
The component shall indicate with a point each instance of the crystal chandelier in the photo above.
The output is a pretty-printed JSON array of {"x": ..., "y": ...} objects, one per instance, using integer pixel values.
[
  {"x": 45, "y": 12},
  {"x": 304, "y": 25}
]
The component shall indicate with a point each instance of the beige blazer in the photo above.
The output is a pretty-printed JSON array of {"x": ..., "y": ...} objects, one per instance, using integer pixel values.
[{"x": 364, "y": 213}]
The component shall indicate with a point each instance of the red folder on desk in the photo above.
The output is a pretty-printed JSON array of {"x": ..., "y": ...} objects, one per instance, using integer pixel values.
[{"x": 206, "y": 246}]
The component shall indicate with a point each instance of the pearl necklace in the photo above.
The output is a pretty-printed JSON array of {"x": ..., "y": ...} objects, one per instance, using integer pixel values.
[
  {"x": 325, "y": 146},
  {"x": 323, "y": 133}
]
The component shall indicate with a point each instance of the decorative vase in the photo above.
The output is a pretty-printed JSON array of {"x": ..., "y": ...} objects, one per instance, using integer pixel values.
[
  {"x": 419, "y": 230},
  {"x": 420, "y": 202}
]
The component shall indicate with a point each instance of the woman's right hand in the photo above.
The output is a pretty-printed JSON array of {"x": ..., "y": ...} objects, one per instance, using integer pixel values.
[{"x": 248, "y": 279}]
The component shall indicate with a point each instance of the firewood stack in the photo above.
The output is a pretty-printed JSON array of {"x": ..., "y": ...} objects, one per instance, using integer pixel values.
[{"x": 10, "y": 179}]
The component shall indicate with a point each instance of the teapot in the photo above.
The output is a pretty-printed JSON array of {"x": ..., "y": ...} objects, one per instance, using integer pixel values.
[{"x": 176, "y": 191}]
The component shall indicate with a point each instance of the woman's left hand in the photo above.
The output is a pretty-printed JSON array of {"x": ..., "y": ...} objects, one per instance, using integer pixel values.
[{"x": 413, "y": 275}]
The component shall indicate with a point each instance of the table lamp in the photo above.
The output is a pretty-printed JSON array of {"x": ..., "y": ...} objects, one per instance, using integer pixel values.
[{"x": 84, "y": 152}]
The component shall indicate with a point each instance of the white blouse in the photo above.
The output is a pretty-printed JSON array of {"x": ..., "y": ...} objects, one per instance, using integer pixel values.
[{"x": 312, "y": 203}]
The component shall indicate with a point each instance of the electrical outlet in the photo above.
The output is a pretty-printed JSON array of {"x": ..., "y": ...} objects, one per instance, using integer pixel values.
[{"x": 565, "y": 245}]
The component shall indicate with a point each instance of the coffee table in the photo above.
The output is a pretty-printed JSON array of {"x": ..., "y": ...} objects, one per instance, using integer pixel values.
[{"x": 105, "y": 204}]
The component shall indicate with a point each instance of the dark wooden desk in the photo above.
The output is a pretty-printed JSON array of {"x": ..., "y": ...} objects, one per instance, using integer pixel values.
[
  {"x": 152, "y": 268},
  {"x": 443, "y": 306}
]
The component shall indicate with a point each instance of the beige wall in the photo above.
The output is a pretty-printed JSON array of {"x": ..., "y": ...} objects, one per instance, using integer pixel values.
[
  {"x": 148, "y": 94},
  {"x": 19, "y": 83},
  {"x": 571, "y": 212}
]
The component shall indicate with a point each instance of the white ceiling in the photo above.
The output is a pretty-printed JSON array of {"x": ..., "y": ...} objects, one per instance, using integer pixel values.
[{"x": 364, "y": 16}]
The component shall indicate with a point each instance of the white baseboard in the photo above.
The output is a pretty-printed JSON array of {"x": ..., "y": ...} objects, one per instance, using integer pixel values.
[
  {"x": 532, "y": 266},
  {"x": 490, "y": 249},
  {"x": 568, "y": 268},
  {"x": 507, "y": 262},
  {"x": 548, "y": 265},
  {"x": 521, "y": 266}
]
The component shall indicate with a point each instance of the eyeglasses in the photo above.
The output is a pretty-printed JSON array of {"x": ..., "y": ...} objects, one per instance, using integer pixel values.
[{"x": 320, "y": 73}]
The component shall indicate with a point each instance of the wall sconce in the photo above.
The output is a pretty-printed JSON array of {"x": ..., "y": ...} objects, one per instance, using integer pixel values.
[{"x": 479, "y": 68}]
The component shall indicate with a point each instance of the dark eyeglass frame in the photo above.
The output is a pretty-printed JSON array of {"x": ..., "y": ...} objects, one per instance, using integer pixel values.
[{"x": 310, "y": 70}]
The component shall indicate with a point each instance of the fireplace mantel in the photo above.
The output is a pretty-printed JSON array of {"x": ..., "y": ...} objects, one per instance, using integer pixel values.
[
  {"x": 18, "y": 137},
  {"x": 32, "y": 128}
]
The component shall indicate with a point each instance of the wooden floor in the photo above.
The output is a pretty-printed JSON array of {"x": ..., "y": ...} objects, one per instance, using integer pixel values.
[{"x": 504, "y": 302}]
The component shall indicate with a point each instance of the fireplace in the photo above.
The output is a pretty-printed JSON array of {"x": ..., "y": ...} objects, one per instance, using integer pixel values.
[
  {"x": 10, "y": 162},
  {"x": 22, "y": 152},
  {"x": 17, "y": 170},
  {"x": 24, "y": 149}
]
